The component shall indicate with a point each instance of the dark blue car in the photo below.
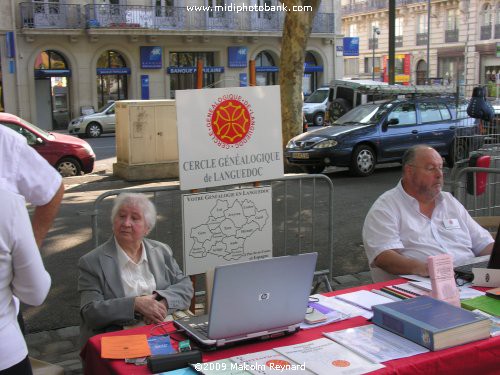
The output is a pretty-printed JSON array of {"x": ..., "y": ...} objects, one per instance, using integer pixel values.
[{"x": 380, "y": 133}]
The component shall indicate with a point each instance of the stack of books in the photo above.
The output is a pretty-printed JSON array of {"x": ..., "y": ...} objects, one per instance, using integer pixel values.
[{"x": 431, "y": 323}]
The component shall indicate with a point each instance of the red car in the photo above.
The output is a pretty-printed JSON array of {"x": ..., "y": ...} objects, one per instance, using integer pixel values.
[{"x": 69, "y": 155}]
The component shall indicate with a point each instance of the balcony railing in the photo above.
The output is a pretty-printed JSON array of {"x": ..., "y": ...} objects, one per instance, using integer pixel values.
[
  {"x": 373, "y": 5},
  {"x": 486, "y": 32},
  {"x": 451, "y": 36},
  {"x": 51, "y": 16},
  {"x": 398, "y": 42},
  {"x": 97, "y": 16},
  {"x": 421, "y": 39}
]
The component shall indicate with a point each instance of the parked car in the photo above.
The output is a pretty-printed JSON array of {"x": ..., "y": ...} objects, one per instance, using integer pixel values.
[
  {"x": 381, "y": 132},
  {"x": 93, "y": 125},
  {"x": 69, "y": 155},
  {"x": 346, "y": 94},
  {"x": 314, "y": 106}
]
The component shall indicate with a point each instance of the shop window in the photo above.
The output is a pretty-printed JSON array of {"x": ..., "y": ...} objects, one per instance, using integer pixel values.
[
  {"x": 265, "y": 78},
  {"x": 111, "y": 87}
]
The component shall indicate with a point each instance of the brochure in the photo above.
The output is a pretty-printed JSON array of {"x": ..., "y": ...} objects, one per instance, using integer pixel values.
[
  {"x": 324, "y": 356},
  {"x": 375, "y": 343},
  {"x": 270, "y": 362}
]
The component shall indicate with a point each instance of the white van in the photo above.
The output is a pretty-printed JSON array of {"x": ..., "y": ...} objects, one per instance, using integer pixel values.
[{"x": 314, "y": 106}]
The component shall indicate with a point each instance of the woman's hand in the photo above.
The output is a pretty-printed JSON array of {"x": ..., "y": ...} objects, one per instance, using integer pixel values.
[{"x": 153, "y": 311}]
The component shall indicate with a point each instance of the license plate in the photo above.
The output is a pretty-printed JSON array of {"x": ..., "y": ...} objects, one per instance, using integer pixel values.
[{"x": 300, "y": 155}]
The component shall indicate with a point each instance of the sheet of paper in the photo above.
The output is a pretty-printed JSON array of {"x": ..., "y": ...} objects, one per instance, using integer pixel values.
[
  {"x": 364, "y": 299},
  {"x": 332, "y": 315},
  {"x": 270, "y": 362},
  {"x": 375, "y": 343},
  {"x": 467, "y": 292},
  {"x": 344, "y": 307},
  {"x": 121, "y": 347},
  {"x": 326, "y": 357},
  {"x": 416, "y": 278}
]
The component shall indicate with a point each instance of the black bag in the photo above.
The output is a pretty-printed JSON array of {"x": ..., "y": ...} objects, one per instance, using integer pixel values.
[{"x": 479, "y": 107}]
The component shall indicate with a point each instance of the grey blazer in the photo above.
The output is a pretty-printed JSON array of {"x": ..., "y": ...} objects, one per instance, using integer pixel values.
[{"x": 103, "y": 305}]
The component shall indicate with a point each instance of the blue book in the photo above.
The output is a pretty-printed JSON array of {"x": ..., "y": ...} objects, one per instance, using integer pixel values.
[
  {"x": 431, "y": 323},
  {"x": 160, "y": 345}
]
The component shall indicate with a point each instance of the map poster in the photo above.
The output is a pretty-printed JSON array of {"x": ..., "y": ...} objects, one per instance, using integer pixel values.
[
  {"x": 228, "y": 136},
  {"x": 226, "y": 226}
]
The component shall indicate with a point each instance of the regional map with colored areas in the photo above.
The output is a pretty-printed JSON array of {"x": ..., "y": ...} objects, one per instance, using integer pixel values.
[{"x": 227, "y": 226}]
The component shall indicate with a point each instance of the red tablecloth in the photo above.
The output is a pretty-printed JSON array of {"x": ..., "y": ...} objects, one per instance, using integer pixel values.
[{"x": 480, "y": 357}]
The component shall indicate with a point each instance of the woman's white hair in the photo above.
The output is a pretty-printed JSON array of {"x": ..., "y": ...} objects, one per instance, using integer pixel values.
[{"x": 138, "y": 200}]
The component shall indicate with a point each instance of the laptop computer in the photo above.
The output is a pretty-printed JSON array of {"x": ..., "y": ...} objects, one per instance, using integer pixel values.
[
  {"x": 464, "y": 271},
  {"x": 255, "y": 299}
]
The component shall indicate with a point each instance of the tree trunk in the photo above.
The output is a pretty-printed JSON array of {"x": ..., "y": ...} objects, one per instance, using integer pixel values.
[{"x": 296, "y": 31}]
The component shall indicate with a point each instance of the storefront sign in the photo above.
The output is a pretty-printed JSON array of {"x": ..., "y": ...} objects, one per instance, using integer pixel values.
[
  {"x": 229, "y": 136},
  {"x": 237, "y": 57},
  {"x": 151, "y": 57},
  {"x": 144, "y": 87},
  {"x": 351, "y": 46},
  {"x": 243, "y": 80},
  {"x": 112, "y": 71},
  {"x": 313, "y": 68},
  {"x": 193, "y": 69},
  {"x": 267, "y": 69},
  {"x": 44, "y": 73},
  {"x": 10, "y": 45}
]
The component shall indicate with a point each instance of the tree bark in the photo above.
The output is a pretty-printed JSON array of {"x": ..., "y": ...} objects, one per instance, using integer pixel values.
[{"x": 296, "y": 31}]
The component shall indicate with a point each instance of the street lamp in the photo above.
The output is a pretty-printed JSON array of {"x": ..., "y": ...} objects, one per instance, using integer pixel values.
[{"x": 376, "y": 31}]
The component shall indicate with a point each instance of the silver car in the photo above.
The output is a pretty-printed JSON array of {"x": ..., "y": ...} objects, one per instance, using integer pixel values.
[{"x": 93, "y": 125}]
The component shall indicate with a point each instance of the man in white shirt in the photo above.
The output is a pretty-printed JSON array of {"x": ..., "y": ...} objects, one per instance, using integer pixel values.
[
  {"x": 23, "y": 171},
  {"x": 416, "y": 219}
]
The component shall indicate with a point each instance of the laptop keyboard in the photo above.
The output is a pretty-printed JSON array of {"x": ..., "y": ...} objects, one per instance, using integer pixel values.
[{"x": 201, "y": 328}]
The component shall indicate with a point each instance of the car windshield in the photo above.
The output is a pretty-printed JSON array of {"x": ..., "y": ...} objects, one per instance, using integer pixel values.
[
  {"x": 364, "y": 114},
  {"x": 43, "y": 132},
  {"x": 105, "y": 107},
  {"x": 317, "y": 96}
]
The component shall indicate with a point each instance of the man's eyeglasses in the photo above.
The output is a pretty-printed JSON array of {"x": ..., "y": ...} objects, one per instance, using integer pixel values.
[{"x": 428, "y": 169}]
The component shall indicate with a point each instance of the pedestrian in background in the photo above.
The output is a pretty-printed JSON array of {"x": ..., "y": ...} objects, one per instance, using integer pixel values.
[{"x": 22, "y": 275}]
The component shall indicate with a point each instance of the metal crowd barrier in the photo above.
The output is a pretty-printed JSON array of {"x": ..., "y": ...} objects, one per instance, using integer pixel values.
[
  {"x": 478, "y": 189},
  {"x": 302, "y": 218}
]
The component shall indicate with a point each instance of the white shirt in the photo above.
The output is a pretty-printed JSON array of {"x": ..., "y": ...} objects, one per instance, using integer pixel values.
[
  {"x": 22, "y": 274},
  {"x": 137, "y": 279},
  {"x": 24, "y": 171},
  {"x": 395, "y": 222}
]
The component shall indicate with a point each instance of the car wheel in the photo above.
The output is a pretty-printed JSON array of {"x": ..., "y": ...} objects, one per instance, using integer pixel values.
[
  {"x": 363, "y": 161},
  {"x": 338, "y": 108},
  {"x": 93, "y": 130},
  {"x": 314, "y": 169},
  {"x": 319, "y": 119},
  {"x": 69, "y": 167}
]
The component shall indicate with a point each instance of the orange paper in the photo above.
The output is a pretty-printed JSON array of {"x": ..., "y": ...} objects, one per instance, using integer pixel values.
[{"x": 121, "y": 347}]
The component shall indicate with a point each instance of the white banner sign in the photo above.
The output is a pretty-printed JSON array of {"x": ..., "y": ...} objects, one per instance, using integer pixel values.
[
  {"x": 226, "y": 226},
  {"x": 228, "y": 136}
]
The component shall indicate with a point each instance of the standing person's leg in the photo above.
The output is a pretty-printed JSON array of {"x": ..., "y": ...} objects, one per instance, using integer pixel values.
[{"x": 21, "y": 368}]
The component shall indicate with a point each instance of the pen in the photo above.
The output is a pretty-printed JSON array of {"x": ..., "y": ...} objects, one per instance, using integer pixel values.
[{"x": 379, "y": 292}]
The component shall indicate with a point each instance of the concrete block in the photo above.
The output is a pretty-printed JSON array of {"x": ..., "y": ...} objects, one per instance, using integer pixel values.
[
  {"x": 68, "y": 332},
  {"x": 345, "y": 279},
  {"x": 34, "y": 339},
  {"x": 146, "y": 172},
  {"x": 58, "y": 347}
]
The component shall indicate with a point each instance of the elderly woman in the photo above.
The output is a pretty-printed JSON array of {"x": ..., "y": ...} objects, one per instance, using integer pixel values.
[
  {"x": 130, "y": 277},
  {"x": 22, "y": 276}
]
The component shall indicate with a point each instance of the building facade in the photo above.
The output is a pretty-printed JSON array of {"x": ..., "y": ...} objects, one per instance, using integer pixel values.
[
  {"x": 60, "y": 58},
  {"x": 462, "y": 46}
]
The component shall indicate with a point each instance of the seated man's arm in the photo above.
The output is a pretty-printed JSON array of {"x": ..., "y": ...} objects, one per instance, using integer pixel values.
[
  {"x": 393, "y": 262},
  {"x": 487, "y": 250}
]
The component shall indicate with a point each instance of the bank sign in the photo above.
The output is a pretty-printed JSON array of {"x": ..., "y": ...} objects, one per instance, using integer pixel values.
[{"x": 228, "y": 136}]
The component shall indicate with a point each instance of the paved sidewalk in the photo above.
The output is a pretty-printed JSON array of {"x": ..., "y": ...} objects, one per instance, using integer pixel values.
[{"x": 60, "y": 346}]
